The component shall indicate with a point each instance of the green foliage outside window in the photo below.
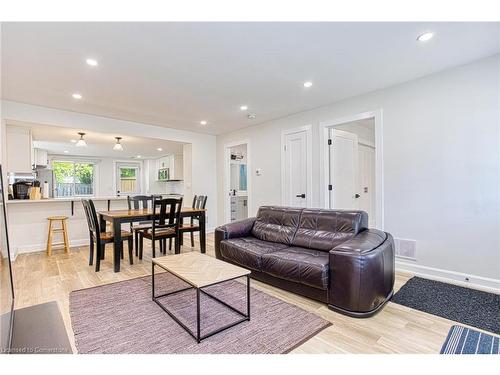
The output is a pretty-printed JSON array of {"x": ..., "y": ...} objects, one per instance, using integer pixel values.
[{"x": 127, "y": 173}]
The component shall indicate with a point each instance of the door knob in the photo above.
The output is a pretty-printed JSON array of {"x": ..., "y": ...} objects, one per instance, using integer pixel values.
[
  {"x": 357, "y": 195},
  {"x": 300, "y": 195}
]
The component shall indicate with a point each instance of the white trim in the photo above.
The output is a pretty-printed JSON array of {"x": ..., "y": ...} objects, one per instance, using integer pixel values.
[
  {"x": 226, "y": 182},
  {"x": 324, "y": 128},
  {"x": 309, "y": 192},
  {"x": 142, "y": 175},
  {"x": 452, "y": 277}
]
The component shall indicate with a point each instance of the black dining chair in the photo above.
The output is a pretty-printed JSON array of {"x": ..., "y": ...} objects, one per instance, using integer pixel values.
[
  {"x": 199, "y": 201},
  {"x": 165, "y": 226},
  {"x": 139, "y": 202},
  {"x": 100, "y": 239}
]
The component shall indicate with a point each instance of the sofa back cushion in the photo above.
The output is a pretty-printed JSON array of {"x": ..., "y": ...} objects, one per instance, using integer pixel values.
[
  {"x": 276, "y": 224},
  {"x": 324, "y": 229}
]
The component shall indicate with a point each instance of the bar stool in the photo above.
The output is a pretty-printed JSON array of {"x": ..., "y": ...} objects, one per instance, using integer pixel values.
[{"x": 63, "y": 229}]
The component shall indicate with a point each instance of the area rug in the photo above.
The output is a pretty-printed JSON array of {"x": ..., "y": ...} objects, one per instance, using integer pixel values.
[
  {"x": 461, "y": 340},
  {"x": 464, "y": 305},
  {"x": 122, "y": 318}
]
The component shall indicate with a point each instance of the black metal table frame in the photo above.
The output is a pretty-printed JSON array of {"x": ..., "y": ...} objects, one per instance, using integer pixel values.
[{"x": 197, "y": 335}]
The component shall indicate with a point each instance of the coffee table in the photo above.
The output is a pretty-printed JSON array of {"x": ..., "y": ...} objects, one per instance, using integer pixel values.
[{"x": 200, "y": 271}]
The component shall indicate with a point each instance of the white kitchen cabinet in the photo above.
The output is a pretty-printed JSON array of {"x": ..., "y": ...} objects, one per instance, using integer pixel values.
[
  {"x": 175, "y": 165},
  {"x": 19, "y": 149},
  {"x": 41, "y": 158}
]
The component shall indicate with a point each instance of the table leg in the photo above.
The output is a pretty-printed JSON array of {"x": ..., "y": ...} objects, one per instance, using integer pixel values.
[
  {"x": 198, "y": 315},
  {"x": 153, "y": 280},
  {"x": 248, "y": 296},
  {"x": 203, "y": 239},
  {"x": 118, "y": 244}
]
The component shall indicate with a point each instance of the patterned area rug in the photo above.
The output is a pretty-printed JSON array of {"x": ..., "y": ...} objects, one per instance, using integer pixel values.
[
  {"x": 122, "y": 318},
  {"x": 461, "y": 340},
  {"x": 464, "y": 305}
]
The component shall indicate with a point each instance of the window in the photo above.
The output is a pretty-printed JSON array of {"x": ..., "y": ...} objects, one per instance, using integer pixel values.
[
  {"x": 73, "y": 178},
  {"x": 128, "y": 178}
]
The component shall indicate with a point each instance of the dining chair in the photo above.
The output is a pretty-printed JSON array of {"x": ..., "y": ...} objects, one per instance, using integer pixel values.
[
  {"x": 100, "y": 239},
  {"x": 199, "y": 201},
  {"x": 165, "y": 226},
  {"x": 139, "y": 202}
]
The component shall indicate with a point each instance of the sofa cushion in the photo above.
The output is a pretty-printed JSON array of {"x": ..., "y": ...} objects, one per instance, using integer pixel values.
[
  {"x": 248, "y": 251},
  {"x": 298, "y": 264},
  {"x": 324, "y": 229},
  {"x": 276, "y": 224}
]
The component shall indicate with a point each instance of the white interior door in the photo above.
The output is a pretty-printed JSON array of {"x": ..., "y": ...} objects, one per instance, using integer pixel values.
[
  {"x": 295, "y": 169},
  {"x": 344, "y": 174},
  {"x": 367, "y": 181}
]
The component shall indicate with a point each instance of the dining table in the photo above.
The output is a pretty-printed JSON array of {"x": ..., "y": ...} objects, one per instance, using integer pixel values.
[{"x": 118, "y": 217}]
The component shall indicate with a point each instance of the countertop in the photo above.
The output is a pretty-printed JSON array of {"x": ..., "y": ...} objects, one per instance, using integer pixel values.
[{"x": 57, "y": 200}]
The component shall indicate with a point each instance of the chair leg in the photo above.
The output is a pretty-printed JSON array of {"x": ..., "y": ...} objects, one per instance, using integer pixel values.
[
  {"x": 153, "y": 247},
  {"x": 91, "y": 251},
  {"x": 49, "y": 239},
  {"x": 131, "y": 249},
  {"x": 101, "y": 249},
  {"x": 136, "y": 235},
  {"x": 192, "y": 239},
  {"x": 161, "y": 246},
  {"x": 141, "y": 245},
  {"x": 121, "y": 253},
  {"x": 170, "y": 244},
  {"x": 177, "y": 245}
]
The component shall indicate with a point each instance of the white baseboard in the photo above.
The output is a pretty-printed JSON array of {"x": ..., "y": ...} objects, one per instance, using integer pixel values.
[
  {"x": 72, "y": 243},
  {"x": 452, "y": 277},
  {"x": 43, "y": 246}
]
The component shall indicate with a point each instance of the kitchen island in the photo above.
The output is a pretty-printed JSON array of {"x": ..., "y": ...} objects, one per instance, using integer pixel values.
[{"x": 28, "y": 223}]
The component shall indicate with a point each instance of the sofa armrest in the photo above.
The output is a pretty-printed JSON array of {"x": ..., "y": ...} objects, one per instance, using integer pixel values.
[
  {"x": 239, "y": 228},
  {"x": 362, "y": 273}
]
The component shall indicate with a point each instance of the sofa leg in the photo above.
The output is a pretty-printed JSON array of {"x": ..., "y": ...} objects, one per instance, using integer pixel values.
[{"x": 361, "y": 314}]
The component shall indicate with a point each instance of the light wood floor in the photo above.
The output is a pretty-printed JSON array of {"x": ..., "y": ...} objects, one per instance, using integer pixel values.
[{"x": 396, "y": 329}]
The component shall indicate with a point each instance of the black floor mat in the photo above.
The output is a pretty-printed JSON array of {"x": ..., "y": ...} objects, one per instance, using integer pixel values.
[{"x": 468, "y": 306}]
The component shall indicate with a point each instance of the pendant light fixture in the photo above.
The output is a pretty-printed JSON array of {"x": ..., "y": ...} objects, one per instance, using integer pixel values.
[
  {"x": 118, "y": 146},
  {"x": 81, "y": 142}
]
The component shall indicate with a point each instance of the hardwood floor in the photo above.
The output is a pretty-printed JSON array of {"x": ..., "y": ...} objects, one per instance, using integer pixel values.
[{"x": 396, "y": 329}]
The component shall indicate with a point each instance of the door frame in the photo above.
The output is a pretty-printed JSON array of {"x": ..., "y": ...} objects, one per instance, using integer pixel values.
[
  {"x": 284, "y": 133},
  {"x": 227, "y": 181},
  {"x": 139, "y": 163},
  {"x": 324, "y": 128}
]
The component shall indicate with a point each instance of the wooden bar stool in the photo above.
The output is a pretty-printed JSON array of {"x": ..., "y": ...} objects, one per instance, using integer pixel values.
[{"x": 63, "y": 229}]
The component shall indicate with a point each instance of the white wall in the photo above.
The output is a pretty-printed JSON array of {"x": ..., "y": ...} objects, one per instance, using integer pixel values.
[
  {"x": 441, "y": 164},
  {"x": 203, "y": 146}
]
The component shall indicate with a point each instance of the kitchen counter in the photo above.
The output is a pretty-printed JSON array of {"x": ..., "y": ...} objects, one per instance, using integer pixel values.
[{"x": 56, "y": 200}]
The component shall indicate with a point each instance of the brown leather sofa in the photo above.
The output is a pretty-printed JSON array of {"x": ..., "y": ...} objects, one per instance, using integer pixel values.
[{"x": 326, "y": 255}]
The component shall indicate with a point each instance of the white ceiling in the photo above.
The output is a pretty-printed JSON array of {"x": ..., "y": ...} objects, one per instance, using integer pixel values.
[
  {"x": 56, "y": 140},
  {"x": 176, "y": 74}
]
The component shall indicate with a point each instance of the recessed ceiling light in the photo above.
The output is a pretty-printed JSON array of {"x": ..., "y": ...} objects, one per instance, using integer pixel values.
[
  {"x": 73, "y": 140},
  {"x": 203, "y": 122},
  {"x": 92, "y": 62},
  {"x": 77, "y": 96},
  {"x": 138, "y": 156},
  {"x": 66, "y": 151},
  {"x": 159, "y": 149},
  {"x": 308, "y": 84},
  {"x": 244, "y": 107},
  {"x": 425, "y": 37}
]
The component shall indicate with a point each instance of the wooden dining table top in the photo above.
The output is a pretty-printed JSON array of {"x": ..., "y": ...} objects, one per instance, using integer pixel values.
[{"x": 117, "y": 214}]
